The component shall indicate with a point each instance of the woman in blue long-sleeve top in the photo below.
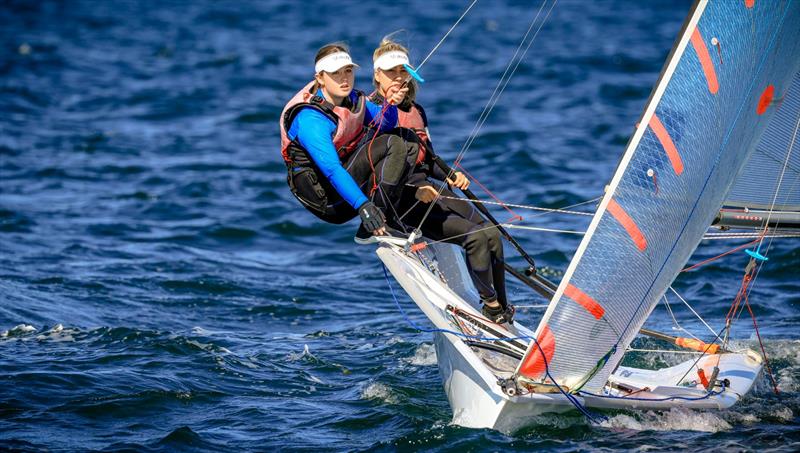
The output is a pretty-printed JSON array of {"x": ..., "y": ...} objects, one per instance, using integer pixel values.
[{"x": 335, "y": 169}]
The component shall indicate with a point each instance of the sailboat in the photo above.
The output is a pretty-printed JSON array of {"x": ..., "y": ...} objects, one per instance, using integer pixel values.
[{"x": 694, "y": 149}]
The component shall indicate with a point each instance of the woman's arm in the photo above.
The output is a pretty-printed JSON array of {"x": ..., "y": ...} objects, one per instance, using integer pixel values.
[
  {"x": 389, "y": 119},
  {"x": 314, "y": 130}
]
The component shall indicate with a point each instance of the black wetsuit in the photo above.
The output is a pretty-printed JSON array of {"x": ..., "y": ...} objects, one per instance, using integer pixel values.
[
  {"x": 458, "y": 222},
  {"x": 452, "y": 221}
]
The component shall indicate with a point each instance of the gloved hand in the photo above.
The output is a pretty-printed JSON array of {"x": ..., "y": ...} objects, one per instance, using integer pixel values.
[{"x": 371, "y": 217}]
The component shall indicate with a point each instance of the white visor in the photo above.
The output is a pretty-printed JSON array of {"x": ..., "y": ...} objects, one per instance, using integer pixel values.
[
  {"x": 334, "y": 62},
  {"x": 391, "y": 59}
]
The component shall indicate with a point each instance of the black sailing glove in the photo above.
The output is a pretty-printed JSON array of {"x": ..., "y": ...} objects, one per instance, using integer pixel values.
[{"x": 371, "y": 217}]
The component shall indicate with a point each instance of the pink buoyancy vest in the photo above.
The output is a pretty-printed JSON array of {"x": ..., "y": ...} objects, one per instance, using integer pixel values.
[
  {"x": 349, "y": 123},
  {"x": 413, "y": 120}
]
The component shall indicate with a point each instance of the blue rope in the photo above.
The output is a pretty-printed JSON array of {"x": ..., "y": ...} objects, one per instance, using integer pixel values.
[
  {"x": 669, "y": 398},
  {"x": 594, "y": 418}
]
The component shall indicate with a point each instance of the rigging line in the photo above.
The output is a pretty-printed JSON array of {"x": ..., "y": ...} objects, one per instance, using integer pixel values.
[
  {"x": 425, "y": 60},
  {"x": 662, "y": 350},
  {"x": 504, "y": 83},
  {"x": 496, "y": 95},
  {"x": 546, "y": 230},
  {"x": 675, "y": 320},
  {"x": 564, "y": 210},
  {"x": 692, "y": 310},
  {"x": 780, "y": 179},
  {"x": 714, "y": 258},
  {"x": 460, "y": 235}
]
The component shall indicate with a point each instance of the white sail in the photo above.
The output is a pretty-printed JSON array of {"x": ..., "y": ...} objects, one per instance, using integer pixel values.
[
  {"x": 704, "y": 118},
  {"x": 778, "y": 153}
]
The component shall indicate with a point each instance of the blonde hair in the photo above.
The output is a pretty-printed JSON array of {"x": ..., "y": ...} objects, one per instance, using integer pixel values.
[{"x": 388, "y": 45}]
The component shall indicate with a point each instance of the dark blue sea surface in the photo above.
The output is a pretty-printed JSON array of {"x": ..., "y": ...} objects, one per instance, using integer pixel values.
[{"x": 160, "y": 288}]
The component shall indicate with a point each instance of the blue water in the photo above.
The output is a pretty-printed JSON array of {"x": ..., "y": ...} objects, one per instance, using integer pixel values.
[{"x": 160, "y": 289}]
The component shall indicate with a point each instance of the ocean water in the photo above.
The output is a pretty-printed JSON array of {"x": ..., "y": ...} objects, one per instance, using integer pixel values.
[{"x": 161, "y": 290}]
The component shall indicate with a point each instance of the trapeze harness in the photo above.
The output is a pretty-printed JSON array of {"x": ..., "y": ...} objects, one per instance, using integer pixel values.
[{"x": 303, "y": 175}]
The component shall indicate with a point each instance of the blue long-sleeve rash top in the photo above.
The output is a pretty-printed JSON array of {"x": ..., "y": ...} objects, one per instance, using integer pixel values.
[{"x": 315, "y": 131}]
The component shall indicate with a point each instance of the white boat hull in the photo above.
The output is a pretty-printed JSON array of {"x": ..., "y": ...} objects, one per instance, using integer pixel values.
[{"x": 472, "y": 388}]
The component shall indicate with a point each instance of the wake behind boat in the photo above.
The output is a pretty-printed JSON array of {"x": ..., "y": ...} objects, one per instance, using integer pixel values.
[{"x": 691, "y": 147}]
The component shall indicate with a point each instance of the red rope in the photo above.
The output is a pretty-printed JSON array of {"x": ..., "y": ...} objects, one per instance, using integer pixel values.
[
  {"x": 514, "y": 216},
  {"x": 701, "y": 263},
  {"x": 735, "y": 308},
  {"x": 761, "y": 344},
  {"x": 375, "y": 123}
]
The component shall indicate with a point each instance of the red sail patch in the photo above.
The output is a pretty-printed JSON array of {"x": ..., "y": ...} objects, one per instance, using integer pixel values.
[
  {"x": 585, "y": 300},
  {"x": 666, "y": 143},
  {"x": 765, "y": 100},
  {"x": 705, "y": 61},
  {"x": 627, "y": 222},
  {"x": 534, "y": 366}
]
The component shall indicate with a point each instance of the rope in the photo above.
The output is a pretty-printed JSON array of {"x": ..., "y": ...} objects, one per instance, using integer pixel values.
[
  {"x": 704, "y": 262},
  {"x": 675, "y": 320},
  {"x": 761, "y": 345},
  {"x": 676, "y": 351},
  {"x": 446, "y": 35},
  {"x": 498, "y": 90},
  {"x": 514, "y": 216},
  {"x": 669, "y": 398},
  {"x": 580, "y": 407},
  {"x": 549, "y": 230},
  {"x": 695, "y": 313},
  {"x": 563, "y": 210}
]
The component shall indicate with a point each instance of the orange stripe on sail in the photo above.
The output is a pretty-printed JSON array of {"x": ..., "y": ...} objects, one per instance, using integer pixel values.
[
  {"x": 534, "y": 365},
  {"x": 666, "y": 143},
  {"x": 765, "y": 100},
  {"x": 705, "y": 61},
  {"x": 585, "y": 300},
  {"x": 627, "y": 222}
]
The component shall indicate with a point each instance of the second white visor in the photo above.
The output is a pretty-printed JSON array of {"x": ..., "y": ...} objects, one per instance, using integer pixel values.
[{"x": 391, "y": 59}]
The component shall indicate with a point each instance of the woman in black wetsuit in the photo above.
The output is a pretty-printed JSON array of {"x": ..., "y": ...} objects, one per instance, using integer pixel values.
[{"x": 453, "y": 221}]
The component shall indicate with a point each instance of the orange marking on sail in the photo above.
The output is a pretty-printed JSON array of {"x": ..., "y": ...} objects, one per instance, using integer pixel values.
[
  {"x": 534, "y": 365},
  {"x": 667, "y": 143},
  {"x": 766, "y": 99},
  {"x": 627, "y": 222},
  {"x": 705, "y": 61},
  {"x": 585, "y": 300},
  {"x": 749, "y": 3}
]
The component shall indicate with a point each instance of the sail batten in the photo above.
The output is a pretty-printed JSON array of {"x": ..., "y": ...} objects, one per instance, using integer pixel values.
[{"x": 698, "y": 129}]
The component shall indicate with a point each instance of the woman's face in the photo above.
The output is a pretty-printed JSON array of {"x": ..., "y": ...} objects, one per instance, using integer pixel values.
[
  {"x": 337, "y": 84},
  {"x": 385, "y": 77}
]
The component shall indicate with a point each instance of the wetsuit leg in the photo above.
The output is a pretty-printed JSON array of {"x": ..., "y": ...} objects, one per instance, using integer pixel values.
[
  {"x": 458, "y": 222},
  {"x": 390, "y": 159}
]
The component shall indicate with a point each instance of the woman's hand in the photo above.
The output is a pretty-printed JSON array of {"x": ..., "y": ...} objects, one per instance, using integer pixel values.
[
  {"x": 396, "y": 92},
  {"x": 458, "y": 180},
  {"x": 425, "y": 194}
]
